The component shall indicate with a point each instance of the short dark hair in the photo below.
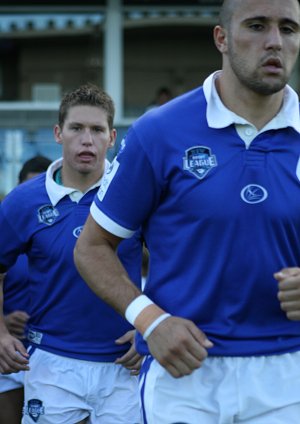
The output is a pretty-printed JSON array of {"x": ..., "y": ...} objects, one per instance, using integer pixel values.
[
  {"x": 87, "y": 95},
  {"x": 226, "y": 12},
  {"x": 36, "y": 164}
]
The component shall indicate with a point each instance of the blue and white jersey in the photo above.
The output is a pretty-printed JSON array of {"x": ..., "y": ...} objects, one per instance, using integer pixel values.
[
  {"x": 43, "y": 220},
  {"x": 15, "y": 287},
  {"x": 219, "y": 218}
]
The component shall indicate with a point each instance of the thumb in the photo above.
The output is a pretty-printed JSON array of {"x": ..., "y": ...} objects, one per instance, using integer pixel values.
[{"x": 286, "y": 272}]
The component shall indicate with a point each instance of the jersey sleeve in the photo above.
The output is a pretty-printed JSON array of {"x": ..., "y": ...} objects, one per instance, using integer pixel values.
[
  {"x": 129, "y": 190},
  {"x": 12, "y": 229}
]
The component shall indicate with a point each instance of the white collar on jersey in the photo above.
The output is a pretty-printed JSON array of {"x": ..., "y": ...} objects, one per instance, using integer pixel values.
[
  {"x": 56, "y": 192},
  {"x": 219, "y": 116}
]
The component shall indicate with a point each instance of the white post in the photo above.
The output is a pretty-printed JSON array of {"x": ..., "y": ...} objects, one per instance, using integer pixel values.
[
  {"x": 113, "y": 56},
  {"x": 13, "y": 151}
]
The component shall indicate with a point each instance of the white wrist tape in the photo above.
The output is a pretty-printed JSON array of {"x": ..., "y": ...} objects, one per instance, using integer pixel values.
[
  {"x": 154, "y": 324},
  {"x": 136, "y": 306}
]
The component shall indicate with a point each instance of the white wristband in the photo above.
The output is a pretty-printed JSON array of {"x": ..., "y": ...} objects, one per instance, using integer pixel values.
[
  {"x": 154, "y": 324},
  {"x": 136, "y": 306}
]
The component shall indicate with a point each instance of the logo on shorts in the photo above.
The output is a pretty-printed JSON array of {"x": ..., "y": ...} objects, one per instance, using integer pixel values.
[
  {"x": 199, "y": 161},
  {"x": 47, "y": 214},
  {"x": 34, "y": 336},
  {"x": 34, "y": 409},
  {"x": 254, "y": 193}
]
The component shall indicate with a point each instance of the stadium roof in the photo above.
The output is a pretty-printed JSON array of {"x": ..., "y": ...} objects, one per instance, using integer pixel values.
[
  {"x": 36, "y": 17},
  {"x": 63, "y": 3}
]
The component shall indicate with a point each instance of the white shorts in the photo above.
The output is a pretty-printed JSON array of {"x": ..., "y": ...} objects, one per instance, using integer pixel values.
[
  {"x": 11, "y": 381},
  {"x": 252, "y": 390},
  {"x": 60, "y": 390}
]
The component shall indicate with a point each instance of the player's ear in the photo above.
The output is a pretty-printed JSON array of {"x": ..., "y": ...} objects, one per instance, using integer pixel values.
[
  {"x": 220, "y": 38},
  {"x": 112, "y": 137},
  {"x": 58, "y": 134}
]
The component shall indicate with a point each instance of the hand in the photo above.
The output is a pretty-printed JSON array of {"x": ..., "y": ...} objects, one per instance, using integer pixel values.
[
  {"x": 13, "y": 355},
  {"x": 15, "y": 322},
  {"x": 131, "y": 360},
  {"x": 289, "y": 292},
  {"x": 179, "y": 346}
]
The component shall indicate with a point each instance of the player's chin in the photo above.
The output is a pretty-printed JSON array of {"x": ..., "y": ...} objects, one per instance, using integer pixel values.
[{"x": 88, "y": 167}]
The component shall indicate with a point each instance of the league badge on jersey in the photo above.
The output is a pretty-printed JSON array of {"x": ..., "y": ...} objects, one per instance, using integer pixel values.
[
  {"x": 34, "y": 409},
  {"x": 199, "y": 161},
  {"x": 47, "y": 214}
]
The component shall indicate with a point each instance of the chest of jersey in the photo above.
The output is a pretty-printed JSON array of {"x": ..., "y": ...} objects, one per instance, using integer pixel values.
[{"x": 215, "y": 179}]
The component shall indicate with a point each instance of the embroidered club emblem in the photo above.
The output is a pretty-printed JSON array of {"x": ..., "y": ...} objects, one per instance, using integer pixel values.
[
  {"x": 47, "y": 214},
  {"x": 34, "y": 409},
  {"x": 199, "y": 161}
]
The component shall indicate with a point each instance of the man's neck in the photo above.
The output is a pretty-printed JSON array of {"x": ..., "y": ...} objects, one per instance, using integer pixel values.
[
  {"x": 255, "y": 108},
  {"x": 79, "y": 181}
]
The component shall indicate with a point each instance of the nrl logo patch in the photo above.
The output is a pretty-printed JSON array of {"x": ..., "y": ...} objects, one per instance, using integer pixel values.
[
  {"x": 47, "y": 214},
  {"x": 34, "y": 409},
  {"x": 199, "y": 161}
]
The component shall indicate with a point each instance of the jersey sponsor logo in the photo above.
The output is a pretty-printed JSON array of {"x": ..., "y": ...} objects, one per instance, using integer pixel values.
[
  {"x": 254, "y": 193},
  {"x": 77, "y": 231},
  {"x": 298, "y": 169},
  {"x": 122, "y": 145},
  {"x": 47, "y": 214},
  {"x": 34, "y": 409},
  {"x": 107, "y": 178},
  {"x": 199, "y": 161}
]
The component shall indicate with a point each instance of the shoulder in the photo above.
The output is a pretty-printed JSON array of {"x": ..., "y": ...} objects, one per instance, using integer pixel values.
[
  {"x": 26, "y": 194},
  {"x": 178, "y": 114},
  {"x": 189, "y": 100}
]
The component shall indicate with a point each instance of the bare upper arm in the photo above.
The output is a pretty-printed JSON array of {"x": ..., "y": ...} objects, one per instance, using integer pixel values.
[{"x": 95, "y": 235}]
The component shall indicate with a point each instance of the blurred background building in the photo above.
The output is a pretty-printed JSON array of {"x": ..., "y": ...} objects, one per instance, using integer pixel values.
[{"x": 130, "y": 48}]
